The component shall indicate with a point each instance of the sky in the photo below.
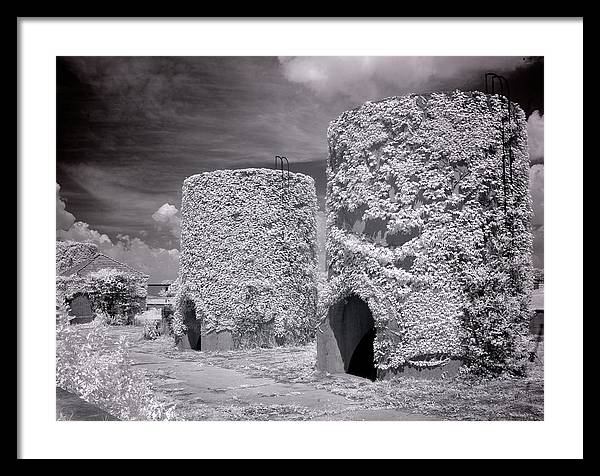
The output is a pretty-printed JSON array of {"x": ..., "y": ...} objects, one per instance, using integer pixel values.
[{"x": 131, "y": 129}]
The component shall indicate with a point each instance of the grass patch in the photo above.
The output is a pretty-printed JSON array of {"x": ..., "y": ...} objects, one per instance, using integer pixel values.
[{"x": 448, "y": 399}]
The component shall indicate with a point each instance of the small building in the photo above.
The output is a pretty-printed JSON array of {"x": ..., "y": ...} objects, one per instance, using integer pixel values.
[
  {"x": 536, "y": 324},
  {"x": 157, "y": 296},
  {"x": 79, "y": 304},
  {"x": 538, "y": 281}
]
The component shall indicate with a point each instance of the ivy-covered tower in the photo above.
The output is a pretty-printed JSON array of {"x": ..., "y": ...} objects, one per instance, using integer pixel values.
[
  {"x": 248, "y": 260},
  {"x": 428, "y": 237}
]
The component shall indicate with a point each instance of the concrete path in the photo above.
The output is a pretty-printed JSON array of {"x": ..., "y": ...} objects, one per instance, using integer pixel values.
[{"x": 221, "y": 393}]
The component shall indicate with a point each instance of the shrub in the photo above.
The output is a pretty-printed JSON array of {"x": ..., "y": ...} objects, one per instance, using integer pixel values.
[
  {"x": 151, "y": 331},
  {"x": 148, "y": 316},
  {"x": 102, "y": 374},
  {"x": 116, "y": 294},
  {"x": 167, "y": 314}
]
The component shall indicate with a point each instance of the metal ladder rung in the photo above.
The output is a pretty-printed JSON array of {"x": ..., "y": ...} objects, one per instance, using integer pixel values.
[
  {"x": 490, "y": 88},
  {"x": 284, "y": 178},
  {"x": 285, "y": 188}
]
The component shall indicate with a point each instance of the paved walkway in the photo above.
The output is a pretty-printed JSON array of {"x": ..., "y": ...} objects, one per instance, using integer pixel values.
[{"x": 216, "y": 389}]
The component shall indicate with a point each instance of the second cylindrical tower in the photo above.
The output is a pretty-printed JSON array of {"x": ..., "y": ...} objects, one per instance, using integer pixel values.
[{"x": 248, "y": 259}]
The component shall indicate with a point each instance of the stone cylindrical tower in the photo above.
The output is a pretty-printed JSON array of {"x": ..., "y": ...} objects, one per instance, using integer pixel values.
[
  {"x": 428, "y": 236},
  {"x": 248, "y": 259}
]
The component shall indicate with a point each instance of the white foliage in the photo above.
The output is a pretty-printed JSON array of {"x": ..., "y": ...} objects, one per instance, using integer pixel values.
[
  {"x": 425, "y": 172},
  {"x": 248, "y": 255}
]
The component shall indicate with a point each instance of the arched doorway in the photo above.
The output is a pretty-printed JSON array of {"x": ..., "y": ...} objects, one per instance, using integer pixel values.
[
  {"x": 81, "y": 309},
  {"x": 192, "y": 324},
  {"x": 354, "y": 329}
]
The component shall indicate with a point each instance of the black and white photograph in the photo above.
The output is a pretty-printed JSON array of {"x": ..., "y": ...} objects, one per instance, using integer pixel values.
[{"x": 299, "y": 238}]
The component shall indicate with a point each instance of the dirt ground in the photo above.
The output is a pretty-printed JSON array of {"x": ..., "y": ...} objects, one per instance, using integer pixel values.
[
  {"x": 72, "y": 407},
  {"x": 283, "y": 384}
]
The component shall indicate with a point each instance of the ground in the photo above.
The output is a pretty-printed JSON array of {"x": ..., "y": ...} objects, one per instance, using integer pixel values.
[
  {"x": 283, "y": 384},
  {"x": 72, "y": 407}
]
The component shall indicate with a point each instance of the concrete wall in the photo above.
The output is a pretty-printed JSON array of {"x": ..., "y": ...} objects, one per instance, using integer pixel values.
[
  {"x": 197, "y": 337},
  {"x": 212, "y": 341},
  {"x": 445, "y": 371}
]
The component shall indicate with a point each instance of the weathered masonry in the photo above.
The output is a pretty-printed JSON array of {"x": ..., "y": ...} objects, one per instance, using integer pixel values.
[
  {"x": 428, "y": 236},
  {"x": 248, "y": 260}
]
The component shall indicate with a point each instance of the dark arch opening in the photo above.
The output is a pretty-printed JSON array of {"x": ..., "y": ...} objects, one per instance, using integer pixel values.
[
  {"x": 362, "y": 360},
  {"x": 80, "y": 308},
  {"x": 354, "y": 329},
  {"x": 192, "y": 324}
]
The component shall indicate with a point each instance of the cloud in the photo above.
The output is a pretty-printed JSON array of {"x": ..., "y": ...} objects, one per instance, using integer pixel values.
[
  {"x": 81, "y": 231},
  {"x": 64, "y": 219},
  {"x": 536, "y": 187},
  {"x": 535, "y": 133},
  {"x": 321, "y": 219},
  {"x": 159, "y": 263},
  {"x": 363, "y": 78},
  {"x": 166, "y": 217},
  {"x": 538, "y": 247}
]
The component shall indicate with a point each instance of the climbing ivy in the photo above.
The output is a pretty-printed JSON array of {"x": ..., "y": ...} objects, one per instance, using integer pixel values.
[
  {"x": 119, "y": 295},
  {"x": 417, "y": 227},
  {"x": 248, "y": 255}
]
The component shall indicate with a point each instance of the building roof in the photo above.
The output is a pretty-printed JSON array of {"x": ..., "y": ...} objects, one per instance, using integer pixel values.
[
  {"x": 537, "y": 299},
  {"x": 97, "y": 262}
]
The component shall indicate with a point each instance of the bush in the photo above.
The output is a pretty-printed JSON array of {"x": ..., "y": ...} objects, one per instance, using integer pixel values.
[
  {"x": 88, "y": 365},
  {"x": 151, "y": 331},
  {"x": 115, "y": 320},
  {"x": 167, "y": 314},
  {"x": 148, "y": 316},
  {"x": 115, "y": 293}
]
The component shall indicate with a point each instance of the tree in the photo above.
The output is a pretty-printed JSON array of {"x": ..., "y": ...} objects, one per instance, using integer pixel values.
[{"x": 116, "y": 294}]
